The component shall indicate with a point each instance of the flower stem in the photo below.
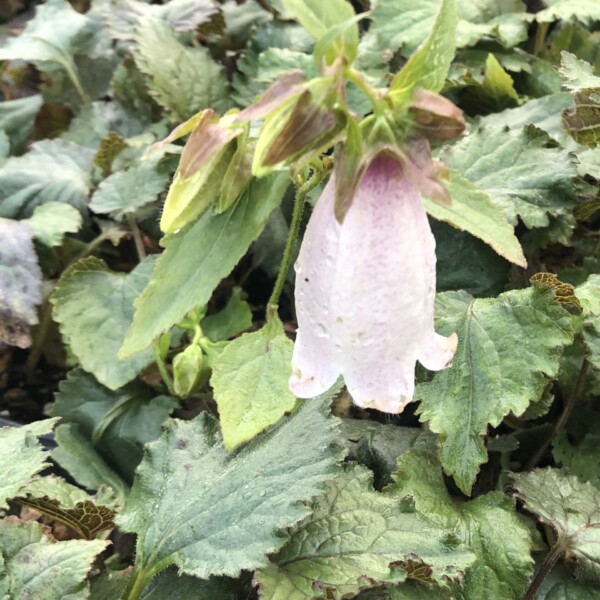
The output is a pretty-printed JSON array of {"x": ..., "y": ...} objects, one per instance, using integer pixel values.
[
  {"x": 162, "y": 368},
  {"x": 358, "y": 79},
  {"x": 137, "y": 237},
  {"x": 564, "y": 417},
  {"x": 301, "y": 192}
]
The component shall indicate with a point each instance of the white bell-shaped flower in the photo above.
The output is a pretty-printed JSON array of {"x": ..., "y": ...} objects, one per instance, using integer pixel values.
[{"x": 365, "y": 293}]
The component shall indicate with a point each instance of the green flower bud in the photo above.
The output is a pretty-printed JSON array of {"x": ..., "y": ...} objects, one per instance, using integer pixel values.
[{"x": 187, "y": 370}]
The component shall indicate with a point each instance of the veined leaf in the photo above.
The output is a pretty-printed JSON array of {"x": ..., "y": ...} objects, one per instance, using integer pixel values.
[
  {"x": 17, "y": 119},
  {"x": 577, "y": 74},
  {"x": 196, "y": 259},
  {"x": 52, "y": 220},
  {"x": 234, "y": 318},
  {"x": 250, "y": 382},
  {"x": 589, "y": 296},
  {"x": 212, "y": 513},
  {"x": 487, "y": 380},
  {"x": 357, "y": 538},
  {"x": 582, "y": 10},
  {"x": 94, "y": 308}
]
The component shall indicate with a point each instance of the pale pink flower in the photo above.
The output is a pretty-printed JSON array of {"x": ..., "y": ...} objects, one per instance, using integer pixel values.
[{"x": 365, "y": 292}]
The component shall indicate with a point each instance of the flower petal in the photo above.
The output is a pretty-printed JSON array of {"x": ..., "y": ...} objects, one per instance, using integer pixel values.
[
  {"x": 384, "y": 287},
  {"x": 437, "y": 351},
  {"x": 314, "y": 361}
]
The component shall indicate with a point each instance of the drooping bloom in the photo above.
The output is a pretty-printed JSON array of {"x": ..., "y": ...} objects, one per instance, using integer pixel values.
[{"x": 365, "y": 292}]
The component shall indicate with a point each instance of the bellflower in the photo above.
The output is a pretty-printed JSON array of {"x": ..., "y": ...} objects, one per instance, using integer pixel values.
[{"x": 365, "y": 292}]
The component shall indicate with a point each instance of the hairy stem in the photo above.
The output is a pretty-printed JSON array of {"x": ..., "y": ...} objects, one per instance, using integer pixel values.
[
  {"x": 564, "y": 417},
  {"x": 550, "y": 560},
  {"x": 540, "y": 38}
]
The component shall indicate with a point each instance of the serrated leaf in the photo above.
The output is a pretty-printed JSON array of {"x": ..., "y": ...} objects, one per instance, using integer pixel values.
[
  {"x": 577, "y": 74},
  {"x": 77, "y": 455},
  {"x": 250, "y": 383},
  {"x": 582, "y": 10},
  {"x": 21, "y": 457},
  {"x": 488, "y": 526},
  {"x": 196, "y": 259},
  {"x": 589, "y": 296},
  {"x": 473, "y": 211},
  {"x": 570, "y": 507},
  {"x": 52, "y": 220},
  {"x": 52, "y": 171},
  {"x": 428, "y": 66},
  {"x": 517, "y": 170},
  {"x": 60, "y": 501},
  {"x": 35, "y": 567},
  {"x": 94, "y": 308},
  {"x": 583, "y": 121},
  {"x": 234, "y": 318},
  {"x": 118, "y": 423},
  {"x": 487, "y": 380},
  {"x": 17, "y": 119},
  {"x": 124, "y": 192},
  {"x": 209, "y": 512},
  {"x": 185, "y": 82},
  {"x": 357, "y": 538}
]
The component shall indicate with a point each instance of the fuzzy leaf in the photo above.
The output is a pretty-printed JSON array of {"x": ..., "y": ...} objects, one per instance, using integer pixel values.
[
  {"x": 358, "y": 538},
  {"x": 570, "y": 507},
  {"x": 212, "y": 513},
  {"x": 488, "y": 526},
  {"x": 17, "y": 119},
  {"x": 234, "y": 318},
  {"x": 52, "y": 220},
  {"x": 589, "y": 296},
  {"x": 250, "y": 382},
  {"x": 52, "y": 171},
  {"x": 182, "y": 80},
  {"x": 582, "y": 10},
  {"x": 35, "y": 567},
  {"x": 94, "y": 308},
  {"x": 577, "y": 74},
  {"x": 487, "y": 380},
  {"x": 518, "y": 172},
  {"x": 472, "y": 210},
  {"x": 21, "y": 457},
  {"x": 196, "y": 259}
]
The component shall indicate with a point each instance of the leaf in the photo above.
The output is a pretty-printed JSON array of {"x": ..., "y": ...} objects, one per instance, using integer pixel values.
[
  {"x": 233, "y": 319},
  {"x": 52, "y": 171},
  {"x": 124, "y": 192},
  {"x": 212, "y": 513},
  {"x": 17, "y": 119},
  {"x": 428, "y": 66},
  {"x": 589, "y": 296},
  {"x": 35, "y": 567},
  {"x": 52, "y": 220},
  {"x": 118, "y": 423},
  {"x": 196, "y": 259},
  {"x": 76, "y": 454},
  {"x": 577, "y": 74},
  {"x": 559, "y": 584},
  {"x": 357, "y": 538},
  {"x": 94, "y": 308},
  {"x": 570, "y": 507},
  {"x": 498, "y": 83},
  {"x": 488, "y": 526},
  {"x": 250, "y": 383},
  {"x": 473, "y": 211},
  {"x": 580, "y": 458},
  {"x": 60, "y": 501},
  {"x": 321, "y": 19},
  {"x": 487, "y": 380},
  {"x": 185, "y": 83},
  {"x": 21, "y": 457},
  {"x": 20, "y": 283},
  {"x": 582, "y": 10},
  {"x": 583, "y": 121},
  {"x": 517, "y": 170}
]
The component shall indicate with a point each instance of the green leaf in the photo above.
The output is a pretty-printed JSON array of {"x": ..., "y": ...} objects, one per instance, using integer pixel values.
[
  {"x": 559, "y": 584},
  {"x": 124, "y": 192},
  {"x": 582, "y": 458},
  {"x": 196, "y": 259},
  {"x": 94, "y": 308},
  {"x": 21, "y": 457},
  {"x": 185, "y": 84},
  {"x": 582, "y": 10},
  {"x": 487, "y": 380},
  {"x": 357, "y": 538},
  {"x": 498, "y": 83},
  {"x": 52, "y": 220},
  {"x": 209, "y": 512},
  {"x": 570, "y": 507},
  {"x": 250, "y": 382},
  {"x": 583, "y": 121},
  {"x": 428, "y": 66},
  {"x": 320, "y": 19},
  {"x": 473, "y": 211},
  {"x": 35, "y": 567},
  {"x": 577, "y": 74},
  {"x": 52, "y": 171},
  {"x": 17, "y": 119},
  {"x": 518, "y": 171},
  {"x": 118, "y": 423},
  {"x": 76, "y": 454},
  {"x": 234, "y": 318},
  {"x": 589, "y": 296},
  {"x": 488, "y": 526}
]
